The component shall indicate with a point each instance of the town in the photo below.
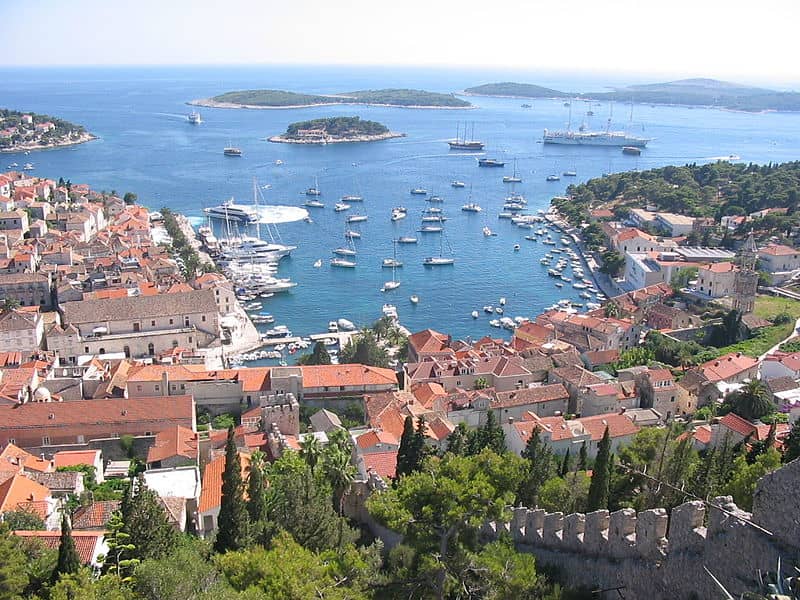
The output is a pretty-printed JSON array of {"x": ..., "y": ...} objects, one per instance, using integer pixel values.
[{"x": 116, "y": 365}]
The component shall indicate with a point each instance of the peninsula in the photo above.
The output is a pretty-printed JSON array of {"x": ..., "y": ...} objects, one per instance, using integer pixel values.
[
  {"x": 404, "y": 98},
  {"x": 690, "y": 92},
  {"x": 335, "y": 130},
  {"x": 28, "y": 131}
]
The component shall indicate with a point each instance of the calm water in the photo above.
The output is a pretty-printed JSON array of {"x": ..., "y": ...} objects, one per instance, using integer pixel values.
[{"x": 146, "y": 146}]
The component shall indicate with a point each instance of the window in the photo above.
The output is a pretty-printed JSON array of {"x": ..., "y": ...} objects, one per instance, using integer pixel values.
[
  {"x": 137, "y": 326},
  {"x": 12, "y": 441},
  {"x": 80, "y": 439},
  {"x": 152, "y": 323},
  {"x": 158, "y": 388},
  {"x": 138, "y": 388},
  {"x": 203, "y": 319},
  {"x": 183, "y": 386},
  {"x": 341, "y": 388},
  {"x": 45, "y": 440},
  {"x": 171, "y": 321},
  {"x": 186, "y": 321},
  {"x": 148, "y": 433}
]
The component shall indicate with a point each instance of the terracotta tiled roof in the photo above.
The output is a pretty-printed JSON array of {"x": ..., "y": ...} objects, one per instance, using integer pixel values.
[
  {"x": 618, "y": 425},
  {"x": 254, "y": 379},
  {"x": 349, "y": 375},
  {"x": 720, "y": 267},
  {"x": 703, "y": 434},
  {"x": 382, "y": 463},
  {"x": 71, "y": 458},
  {"x": 86, "y": 542},
  {"x": 791, "y": 360},
  {"x": 376, "y": 437},
  {"x": 172, "y": 442},
  {"x": 59, "y": 481},
  {"x": 531, "y": 395},
  {"x": 659, "y": 375},
  {"x": 738, "y": 424},
  {"x": 211, "y": 494},
  {"x": 631, "y": 233},
  {"x": 19, "y": 489},
  {"x": 727, "y": 366},
  {"x": 427, "y": 392},
  {"x": 601, "y": 357},
  {"x": 13, "y": 458},
  {"x": 428, "y": 340},
  {"x": 778, "y": 250},
  {"x": 94, "y": 516}
]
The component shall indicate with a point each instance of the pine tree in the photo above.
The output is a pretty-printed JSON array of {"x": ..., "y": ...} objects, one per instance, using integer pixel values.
[
  {"x": 405, "y": 453},
  {"x": 145, "y": 522},
  {"x": 791, "y": 443},
  {"x": 598, "y": 489},
  {"x": 565, "y": 464},
  {"x": 494, "y": 437},
  {"x": 256, "y": 504},
  {"x": 457, "y": 440},
  {"x": 232, "y": 520},
  {"x": 68, "y": 559},
  {"x": 541, "y": 466},
  {"x": 418, "y": 445},
  {"x": 583, "y": 458}
]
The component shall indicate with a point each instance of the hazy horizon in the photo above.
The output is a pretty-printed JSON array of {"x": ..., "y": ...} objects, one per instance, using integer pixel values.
[{"x": 681, "y": 39}]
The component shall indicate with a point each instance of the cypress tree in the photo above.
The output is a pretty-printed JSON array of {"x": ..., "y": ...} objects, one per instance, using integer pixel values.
[
  {"x": 145, "y": 521},
  {"x": 792, "y": 443},
  {"x": 232, "y": 520},
  {"x": 457, "y": 441},
  {"x": 598, "y": 488},
  {"x": 68, "y": 559},
  {"x": 405, "y": 453},
  {"x": 583, "y": 458},
  {"x": 541, "y": 466},
  {"x": 565, "y": 464}
]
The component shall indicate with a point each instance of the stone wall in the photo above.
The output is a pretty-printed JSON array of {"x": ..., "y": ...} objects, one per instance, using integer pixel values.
[{"x": 654, "y": 555}]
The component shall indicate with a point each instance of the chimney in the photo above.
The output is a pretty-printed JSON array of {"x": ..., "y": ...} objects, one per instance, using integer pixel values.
[{"x": 510, "y": 420}]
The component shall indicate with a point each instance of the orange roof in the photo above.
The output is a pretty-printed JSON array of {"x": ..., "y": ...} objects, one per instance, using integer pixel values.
[
  {"x": 703, "y": 434},
  {"x": 427, "y": 392},
  {"x": 721, "y": 267},
  {"x": 382, "y": 463},
  {"x": 18, "y": 490},
  {"x": 71, "y": 458},
  {"x": 376, "y": 437},
  {"x": 254, "y": 379},
  {"x": 618, "y": 425},
  {"x": 175, "y": 441},
  {"x": 86, "y": 542},
  {"x": 14, "y": 458},
  {"x": 428, "y": 340},
  {"x": 727, "y": 366},
  {"x": 778, "y": 250},
  {"x": 94, "y": 516},
  {"x": 631, "y": 233},
  {"x": 174, "y": 373},
  {"x": 351, "y": 375},
  {"x": 211, "y": 494}
]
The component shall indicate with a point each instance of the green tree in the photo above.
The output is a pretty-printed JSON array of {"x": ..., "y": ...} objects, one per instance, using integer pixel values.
[
  {"x": 409, "y": 457},
  {"x": 540, "y": 465},
  {"x": 566, "y": 465},
  {"x": 499, "y": 572},
  {"x": 185, "y": 573},
  {"x": 613, "y": 262},
  {"x": 260, "y": 524},
  {"x": 120, "y": 560},
  {"x": 130, "y": 198},
  {"x": 319, "y": 356},
  {"x": 439, "y": 508},
  {"x": 598, "y": 490},
  {"x": 363, "y": 349},
  {"x": 13, "y": 575},
  {"x": 457, "y": 440},
  {"x": 583, "y": 458},
  {"x": 22, "y": 519},
  {"x": 311, "y": 451},
  {"x": 791, "y": 443},
  {"x": 68, "y": 560},
  {"x": 752, "y": 401},
  {"x": 742, "y": 485},
  {"x": 8, "y": 304},
  {"x": 82, "y": 586},
  {"x": 490, "y": 435},
  {"x": 565, "y": 494},
  {"x": 232, "y": 520},
  {"x": 145, "y": 521},
  {"x": 481, "y": 383}
]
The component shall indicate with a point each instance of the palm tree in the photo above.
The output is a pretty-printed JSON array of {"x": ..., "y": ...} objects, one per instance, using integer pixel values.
[
  {"x": 752, "y": 401},
  {"x": 311, "y": 451},
  {"x": 341, "y": 473},
  {"x": 8, "y": 304}
]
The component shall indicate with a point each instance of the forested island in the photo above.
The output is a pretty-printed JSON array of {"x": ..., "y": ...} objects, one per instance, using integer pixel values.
[
  {"x": 29, "y": 131},
  {"x": 690, "y": 92},
  {"x": 404, "y": 98},
  {"x": 333, "y": 130}
]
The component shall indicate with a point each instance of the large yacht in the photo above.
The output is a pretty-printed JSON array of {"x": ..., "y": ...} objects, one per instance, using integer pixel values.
[
  {"x": 194, "y": 118},
  {"x": 253, "y": 249},
  {"x": 231, "y": 211}
]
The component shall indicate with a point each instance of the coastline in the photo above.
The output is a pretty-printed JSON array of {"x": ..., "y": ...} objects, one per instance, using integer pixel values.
[
  {"x": 209, "y": 103},
  {"x": 86, "y": 137},
  {"x": 281, "y": 139}
]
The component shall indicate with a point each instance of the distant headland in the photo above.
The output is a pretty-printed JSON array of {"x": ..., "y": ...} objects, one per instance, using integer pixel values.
[
  {"x": 24, "y": 131},
  {"x": 335, "y": 130},
  {"x": 689, "y": 92},
  {"x": 402, "y": 98}
]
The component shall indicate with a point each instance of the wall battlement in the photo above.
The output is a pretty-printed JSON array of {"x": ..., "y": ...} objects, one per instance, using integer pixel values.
[{"x": 655, "y": 555}]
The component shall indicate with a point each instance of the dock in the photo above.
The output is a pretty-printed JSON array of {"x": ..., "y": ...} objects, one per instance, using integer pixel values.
[{"x": 341, "y": 337}]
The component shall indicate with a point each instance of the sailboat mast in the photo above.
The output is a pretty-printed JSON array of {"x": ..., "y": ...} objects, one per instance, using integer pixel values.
[{"x": 255, "y": 202}]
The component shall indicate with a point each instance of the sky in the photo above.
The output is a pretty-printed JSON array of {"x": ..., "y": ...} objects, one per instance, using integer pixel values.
[{"x": 747, "y": 41}]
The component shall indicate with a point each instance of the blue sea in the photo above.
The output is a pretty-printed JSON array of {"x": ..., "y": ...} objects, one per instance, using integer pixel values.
[{"x": 145, "y": 145}]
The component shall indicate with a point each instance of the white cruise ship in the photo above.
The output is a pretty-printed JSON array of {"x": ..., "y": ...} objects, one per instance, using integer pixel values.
[
  {"x": 593, "y": 138},
  {"x": 231, "y": 211}
]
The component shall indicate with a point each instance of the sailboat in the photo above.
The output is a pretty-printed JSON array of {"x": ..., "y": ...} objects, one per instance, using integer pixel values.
[
  {"x": 353, "y": 197},
  {"x": 344, "y": 260},
  {"x": 314, "y": 191},
  {"x": 515, "y": 178},
  {"x": 465, "y": 144},
  {"x": 348, "y": 250},
  {"x": 393, "y": 284},
  {"x": 441, "y": 260}
]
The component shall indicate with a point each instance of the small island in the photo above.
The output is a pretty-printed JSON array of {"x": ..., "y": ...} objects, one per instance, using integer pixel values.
[
  {"x": 20, "y": 132},
  {"x": 402, "y": 98},
  {"x": 335, "y": 130},
  {"x": 687, "y": 92}
]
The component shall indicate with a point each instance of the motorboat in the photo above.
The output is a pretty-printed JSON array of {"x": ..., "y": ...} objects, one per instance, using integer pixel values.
[
  {"x": 488, "y": 309},
  {"x": 194, "y": 118},
  {"x": 502, "y": 301},
  {"x": 333, "y": 327},
  {"x": 490, "y": 162},
  {"x": 516, "y": 247},
  {"x": 356, "y": 218},
  {"x": 279, "y": 331},
  {"x": 390, "y": 285},
  {"x": 414, "y": 299},
  {"x": 553, "y": 178},
  {"x": 314, "y": 203},
  {"x": 471, "y": 207},
  {"x": 232, "y": 151},
  {"x": 396, "y": 215},
  {"x": 435, "y": 199},
  {"x": 340, "y": 207},
  {"x": 570, "y": 174},
  {"x": 352, "y": 198},
  {"x": 419, "y": 192},
  {"x": 352, "y": 235},
  {"x": 318, "y": 263},
  {"x": 498, "y": 310},
  {"x": 457, "y": 184},
  {"x": 344, "y": 251},
  {"x": 343, "y": 263},
  {"x": 407, "y": 240},
  {"x": 230, "y": 211},
  {"x": 474, "y": 314},
  {"x": 495, "y": 323},
  {"x": 488, "y": 232},
  {"x": 431, "y": 229},
  {"x": 389, "y": 263}
]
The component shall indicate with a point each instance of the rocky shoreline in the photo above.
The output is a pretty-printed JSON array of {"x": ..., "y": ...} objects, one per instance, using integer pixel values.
[
  {"x": 86, "y": 137},
  {"x": 282, "y": 139},
  {"x": 209, "y": 103}
]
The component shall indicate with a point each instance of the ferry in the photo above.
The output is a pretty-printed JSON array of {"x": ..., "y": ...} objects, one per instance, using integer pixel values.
[
  {"x": 232, "y": 151},
  {"x": 593, "y": 138}
]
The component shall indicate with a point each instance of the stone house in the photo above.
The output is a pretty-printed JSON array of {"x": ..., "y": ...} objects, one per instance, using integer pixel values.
[{"x": 23, "y": 330}]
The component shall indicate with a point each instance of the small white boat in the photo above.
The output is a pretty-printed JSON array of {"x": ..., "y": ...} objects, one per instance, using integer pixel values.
[
  {"x": 314, "y": 204},
  {"x": 407, "y": 240},
  {"x": 343, "y": 263},
  {"x": 396, "y": 215},
  {"x": 318, "y": 263},
  {"x": 28, "y": 167},
  {"x": 344, "y": 251},
  {"x": 471, "y": 207},
  {"x": 488, "y": 309},
  {"x": 352, "y": 198},
  {"x": 516, "y": 247},
  {"x": 389, "y": 263},
  {"x": 488, "y": 232},
  {"x": 340, "y": 207},
  {"x": 356, "y": 218},
  {"x": 278, "y": 162},
  {"x": 434, "y": 199},
  {"x": 499, "y": 310},
  {"x": 559, "y": 284},
  {"x": 502, "y": 301},
  {"x": 414, "y": 299},
  {"x": 457, "y": 184},
  {"x": 495, "y": 323},
  {"x": 419, "y": 192},
  {"x": 474, "y": 314},
  {"x": 570, "y": 174},
  {"x": 553, "y": 178},
  {"x": 390, "y": 285},
  {"x": 352, "y": 235},
  {"x": 333, "y": 327},
  {"x": 431, "y": 229}
]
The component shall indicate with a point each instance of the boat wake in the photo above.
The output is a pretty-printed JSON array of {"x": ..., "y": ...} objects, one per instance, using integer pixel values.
[{"x": 280, "y": 214}]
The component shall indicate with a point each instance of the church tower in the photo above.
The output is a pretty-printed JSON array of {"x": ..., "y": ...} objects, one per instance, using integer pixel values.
[{"x": 745, "y": 282}]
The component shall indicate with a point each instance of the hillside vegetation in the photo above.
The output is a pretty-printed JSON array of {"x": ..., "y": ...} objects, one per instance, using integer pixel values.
[
  {"x": 391, "y": 97},
  {"x": 338, "y": 127},
  {"x": 692, "y": 92}
]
